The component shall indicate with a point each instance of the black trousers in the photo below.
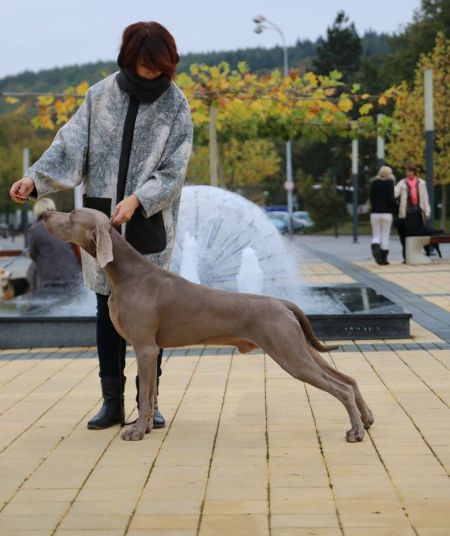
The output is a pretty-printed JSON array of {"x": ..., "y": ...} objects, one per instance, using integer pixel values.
[
  {"x": 412, "y": 225},
  {"x": 111, "y": 347}
]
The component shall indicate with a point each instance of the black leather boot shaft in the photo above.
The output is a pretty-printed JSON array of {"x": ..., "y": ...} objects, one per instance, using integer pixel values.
[
  {"x": 113, "y": 410},
  {"x": 384, "y": 257},
  {"x": 376, "y": 252}
]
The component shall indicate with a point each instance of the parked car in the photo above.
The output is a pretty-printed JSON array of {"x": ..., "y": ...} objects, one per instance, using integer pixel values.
[
  {"x": 303, "y": 218},
  {"x": 280, "y": 220}
]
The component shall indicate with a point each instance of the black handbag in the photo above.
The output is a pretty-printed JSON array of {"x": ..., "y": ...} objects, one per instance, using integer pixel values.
[{"x": 146, "y": 235}]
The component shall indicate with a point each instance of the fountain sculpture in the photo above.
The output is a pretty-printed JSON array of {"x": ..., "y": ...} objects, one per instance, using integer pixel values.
[{"x": 223, "y": 241}]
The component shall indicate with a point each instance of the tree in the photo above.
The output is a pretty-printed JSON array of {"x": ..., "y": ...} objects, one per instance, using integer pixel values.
[
  {"x": 341, "y": 50},
  {"x": 407, "y": 141},
  {"x": 244, "y": 165},
  {"x": 16, "y": 133},
  {"x": 324, "y": 203},
  {"x": 417, "y": 38},
  {"x": 238, "y": 104}
]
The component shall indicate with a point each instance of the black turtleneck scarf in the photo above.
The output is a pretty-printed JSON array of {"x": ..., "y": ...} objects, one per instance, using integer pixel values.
[
  {"x": 142, "y": 89},
  {"x": 139, "y": 90}
]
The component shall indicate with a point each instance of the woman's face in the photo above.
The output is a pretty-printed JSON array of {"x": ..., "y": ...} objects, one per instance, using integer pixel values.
[
  {"x": 410, "y": 173},
  {"x": 144, "y": 72}
]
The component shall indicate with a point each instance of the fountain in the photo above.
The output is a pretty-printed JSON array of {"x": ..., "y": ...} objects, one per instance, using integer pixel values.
[{"x": 223, "y": 241}]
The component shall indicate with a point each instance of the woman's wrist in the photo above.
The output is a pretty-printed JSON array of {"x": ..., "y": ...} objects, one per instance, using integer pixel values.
[{"x": 135, "y": 200}]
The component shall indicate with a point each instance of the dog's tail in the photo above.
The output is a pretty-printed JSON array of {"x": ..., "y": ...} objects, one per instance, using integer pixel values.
[{"x": 307, "y": 328}]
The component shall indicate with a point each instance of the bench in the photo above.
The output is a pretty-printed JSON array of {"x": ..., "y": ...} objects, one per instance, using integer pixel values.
[{"x": 414, "y": 245}]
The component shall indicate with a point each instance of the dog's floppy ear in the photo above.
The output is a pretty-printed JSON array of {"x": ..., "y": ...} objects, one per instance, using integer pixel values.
[{"x": 104, "y": 246}]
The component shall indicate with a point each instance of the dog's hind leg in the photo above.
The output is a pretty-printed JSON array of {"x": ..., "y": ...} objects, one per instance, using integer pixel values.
[
  {"x": 366, "y": 414},
  {"x": 146, "y": 357},
  {"x": 291, "y": 353}
]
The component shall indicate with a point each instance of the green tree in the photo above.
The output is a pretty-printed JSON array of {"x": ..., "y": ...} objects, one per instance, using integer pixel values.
[
  {"x": 244, "y": 166},
  {"x": 324, "y": 204},
  {"x": 417, "y": 38},
  {"x": 16, "y": 132},
  {"x": 407, "y": 141},
  {"x": 341, "y": 50}
]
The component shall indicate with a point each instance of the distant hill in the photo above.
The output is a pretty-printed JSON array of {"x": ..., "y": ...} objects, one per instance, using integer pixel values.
[{"x": 259, "y": 60}]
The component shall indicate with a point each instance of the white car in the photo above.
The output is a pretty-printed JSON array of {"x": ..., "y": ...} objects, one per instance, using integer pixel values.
[{"x": 303, "y": 218}]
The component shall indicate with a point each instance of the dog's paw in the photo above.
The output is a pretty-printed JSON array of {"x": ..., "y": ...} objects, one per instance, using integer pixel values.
[
  {"x": 368, "y": 419},
  {"x": 135, "y": 433},
  {"x": 149, "y": 426},
  {"x": 355, "y": 435}
]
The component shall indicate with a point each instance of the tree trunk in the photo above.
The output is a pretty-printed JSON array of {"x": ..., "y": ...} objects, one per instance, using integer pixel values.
[
  {"x": 213, "y": 149},
  {"x": 443, "y": 207}
]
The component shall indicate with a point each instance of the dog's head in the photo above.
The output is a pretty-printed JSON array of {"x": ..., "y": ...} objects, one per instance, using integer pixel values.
[{"x": 88, "y": 228}]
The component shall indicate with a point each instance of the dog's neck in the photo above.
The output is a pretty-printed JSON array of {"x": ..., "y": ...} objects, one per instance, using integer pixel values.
[{"x": 127, "y": 262}]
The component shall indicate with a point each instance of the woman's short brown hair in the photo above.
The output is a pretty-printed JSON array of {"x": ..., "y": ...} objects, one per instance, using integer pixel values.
[
  {"x": 151, "y": 44},
  {"x": 411, "y": 167}
]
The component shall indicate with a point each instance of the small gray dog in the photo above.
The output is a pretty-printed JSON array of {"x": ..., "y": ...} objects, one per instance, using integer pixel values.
[{"x": 153, "y": 308}]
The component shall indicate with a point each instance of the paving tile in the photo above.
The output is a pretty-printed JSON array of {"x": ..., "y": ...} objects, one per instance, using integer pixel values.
[
  {"x": 237, "y": 524},
  {"x": 310, "y": 531},
  {"x": 304, "y": 520},
  {"x": 167, "y": 522}
]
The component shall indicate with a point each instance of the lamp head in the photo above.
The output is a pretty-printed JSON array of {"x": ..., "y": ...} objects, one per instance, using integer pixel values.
[
  {"x": 259, "y": 18},
  {"x": 258, "y": 29}
]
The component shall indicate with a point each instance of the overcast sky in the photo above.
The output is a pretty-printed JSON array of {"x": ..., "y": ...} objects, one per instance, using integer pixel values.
[{"x": 38, "y": 34}]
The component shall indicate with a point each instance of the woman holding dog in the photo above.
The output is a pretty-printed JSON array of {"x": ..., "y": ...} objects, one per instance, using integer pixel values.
[{"x": 129, "y": 144}]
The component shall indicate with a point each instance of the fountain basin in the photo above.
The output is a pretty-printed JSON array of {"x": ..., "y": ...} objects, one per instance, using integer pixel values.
[
  {"x": 363, "y": 314},
  {"x": 356, "y": 312}
]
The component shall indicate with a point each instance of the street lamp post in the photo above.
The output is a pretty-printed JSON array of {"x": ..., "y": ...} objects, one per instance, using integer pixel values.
[
  {"x": 429, "y": 137},
  {"x": 263, "y": 24}
]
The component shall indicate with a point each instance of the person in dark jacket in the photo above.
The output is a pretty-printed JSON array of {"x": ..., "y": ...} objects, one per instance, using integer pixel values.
[
  {"x": 382, "y": 201},
  {"x": 55, "y": 267}
]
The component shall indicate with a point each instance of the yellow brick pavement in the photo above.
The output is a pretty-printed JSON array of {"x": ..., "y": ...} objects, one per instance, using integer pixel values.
[
  {"x": 247, "y": 451},
  {"x": 430, "y": 281}
]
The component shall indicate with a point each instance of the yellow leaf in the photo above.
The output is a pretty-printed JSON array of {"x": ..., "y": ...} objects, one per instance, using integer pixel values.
[
  {"x": 60, "y": 107},
  {"x": 365, "y": 108},
  {"x": 46, "y": 122},
  {"x": 11, "y": 100},
  {"x": 82, "y": 88},
  {"x": 311, "y": 78},
  {"x": 382, "y": 100},
  {"x": 45, "y": 100},
  {"x": 345, "y": 104}
]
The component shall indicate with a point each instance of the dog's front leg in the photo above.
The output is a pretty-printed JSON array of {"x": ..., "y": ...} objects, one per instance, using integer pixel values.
[{"x": 146, "y": 363}]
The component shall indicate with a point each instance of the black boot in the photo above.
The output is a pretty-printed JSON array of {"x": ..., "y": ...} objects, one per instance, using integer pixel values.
[
  {"x": 376, "y": 252},
  {"x": 113, "y": 410},
  {"x": 384, "y": 256},
  {"x": 158, "y": 420}
]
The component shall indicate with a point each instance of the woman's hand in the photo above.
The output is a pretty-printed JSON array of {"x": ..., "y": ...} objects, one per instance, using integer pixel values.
[
  {"x": 21, "y": 190},
  {"x": 125, "y": 210}
]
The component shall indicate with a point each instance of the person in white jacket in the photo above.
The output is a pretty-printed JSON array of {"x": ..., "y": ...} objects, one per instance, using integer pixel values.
[{"x": 414, "y": 206}]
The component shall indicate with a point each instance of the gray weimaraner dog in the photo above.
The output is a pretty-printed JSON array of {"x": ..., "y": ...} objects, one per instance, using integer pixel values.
[{"x": 153, "y": 308}]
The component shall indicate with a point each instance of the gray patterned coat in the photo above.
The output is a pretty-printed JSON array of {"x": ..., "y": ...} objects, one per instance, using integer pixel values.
[{"x": 87, "y": 150}]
